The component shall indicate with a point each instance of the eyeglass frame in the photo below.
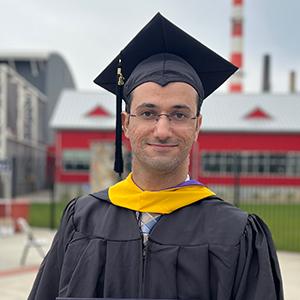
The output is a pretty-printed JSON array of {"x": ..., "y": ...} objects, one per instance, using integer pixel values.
[{"x": 156, "y": 118}]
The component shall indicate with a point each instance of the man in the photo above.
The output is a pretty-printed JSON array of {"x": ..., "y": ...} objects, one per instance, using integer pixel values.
[{"x": 159, "y": 234}]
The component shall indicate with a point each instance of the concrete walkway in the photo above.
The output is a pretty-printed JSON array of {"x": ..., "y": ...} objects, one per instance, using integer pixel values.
[{"x": 16, "y": 281}]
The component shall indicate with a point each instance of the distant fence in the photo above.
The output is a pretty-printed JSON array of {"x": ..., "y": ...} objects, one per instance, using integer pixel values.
[{"x": 277, "y": 204}]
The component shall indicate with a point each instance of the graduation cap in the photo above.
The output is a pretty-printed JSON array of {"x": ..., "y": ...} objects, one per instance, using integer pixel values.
[{"x": 162, "y": 53}]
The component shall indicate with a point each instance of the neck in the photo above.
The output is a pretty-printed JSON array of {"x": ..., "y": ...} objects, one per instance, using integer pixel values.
[{"x": 151, "y": 180}]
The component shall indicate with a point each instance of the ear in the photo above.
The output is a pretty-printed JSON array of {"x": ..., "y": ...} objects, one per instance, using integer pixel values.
[
  {"x": 198, "y": 126},
  {"x": 125, "y": 122}
]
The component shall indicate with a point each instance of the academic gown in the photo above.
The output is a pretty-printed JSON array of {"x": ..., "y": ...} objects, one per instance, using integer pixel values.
[{"x": 209, "y": 250}]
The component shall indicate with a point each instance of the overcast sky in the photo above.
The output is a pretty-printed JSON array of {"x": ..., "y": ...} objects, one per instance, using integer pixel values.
[{"x": 90, "y": 33}]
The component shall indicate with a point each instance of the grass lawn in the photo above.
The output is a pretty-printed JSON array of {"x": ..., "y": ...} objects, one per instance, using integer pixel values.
[
  {"x": 282, "y": 219},
  {"x": 40, "y": 214}
]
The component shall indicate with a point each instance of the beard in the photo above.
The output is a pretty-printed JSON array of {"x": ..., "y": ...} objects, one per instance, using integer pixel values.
[
  {"x": 160, "y": 164},
  {"x": 165, "y": 164}
]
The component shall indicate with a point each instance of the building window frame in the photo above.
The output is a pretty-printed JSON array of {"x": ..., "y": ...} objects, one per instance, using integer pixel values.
[
  {"x": 252, "y": 163},
  {"x": 76, "y": 160}
]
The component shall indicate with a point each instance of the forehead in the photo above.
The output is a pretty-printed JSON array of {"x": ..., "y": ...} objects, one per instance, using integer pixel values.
[{"x": 170, "y": 95}]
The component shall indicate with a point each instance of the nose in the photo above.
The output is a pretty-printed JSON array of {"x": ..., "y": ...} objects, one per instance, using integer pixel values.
[{"x": 162, "y": 129}]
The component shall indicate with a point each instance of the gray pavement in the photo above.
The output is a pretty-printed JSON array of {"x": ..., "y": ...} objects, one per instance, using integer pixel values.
[{"x": 16, "y": 281}]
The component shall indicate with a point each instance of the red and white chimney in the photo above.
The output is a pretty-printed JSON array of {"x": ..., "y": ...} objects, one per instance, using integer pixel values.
[{"x": 236, "y": 82}]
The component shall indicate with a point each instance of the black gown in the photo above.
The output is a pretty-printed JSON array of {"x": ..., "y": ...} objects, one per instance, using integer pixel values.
[{"x": 208, "y": 250}]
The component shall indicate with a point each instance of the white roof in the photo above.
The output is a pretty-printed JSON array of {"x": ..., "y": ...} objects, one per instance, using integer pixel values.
[
  {"x": 73, "y": 107},
  {"x": 229, "y": 113},
  {"x": 221, "y": 112}
]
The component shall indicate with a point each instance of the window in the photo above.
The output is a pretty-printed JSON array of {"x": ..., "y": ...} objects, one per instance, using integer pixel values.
[
  {"x": 28, "y": 117},
  {"x": 12, "y": 105},
  {"x": 76, "y": 160},
  {"x": 279, "y": 163},
  {"x": 251, "y": 163}
]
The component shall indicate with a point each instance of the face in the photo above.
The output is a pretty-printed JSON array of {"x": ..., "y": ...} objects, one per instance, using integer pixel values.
[{"x": 162, "y": 145}]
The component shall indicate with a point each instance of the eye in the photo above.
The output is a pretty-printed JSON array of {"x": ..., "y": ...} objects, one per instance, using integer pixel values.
[
  {"x": 147, "y": 114},
  {"x": 178, "y": 116}
]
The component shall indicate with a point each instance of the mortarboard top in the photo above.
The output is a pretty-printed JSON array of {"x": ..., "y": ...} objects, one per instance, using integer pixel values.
[{"x": 162, "y": 36}]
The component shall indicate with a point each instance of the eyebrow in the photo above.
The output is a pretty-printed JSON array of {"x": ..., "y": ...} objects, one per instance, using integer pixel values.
[
  {"x": 151, "y": 105},
  {"x": 148, "y": 105},
  {"x": 181, "y": 106}
]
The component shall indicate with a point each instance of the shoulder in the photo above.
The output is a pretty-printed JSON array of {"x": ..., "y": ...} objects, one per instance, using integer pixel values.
[
  {"x": 95, "y": 216},
  {"x": 92, "y": 203},
  {"x": 89, "y": 209},
  {"x": 225, "y": 222},
  {"x": 222, "y": 212},
  {"x": 218, "y": 213},
  {"x": 209, "y": 221}
]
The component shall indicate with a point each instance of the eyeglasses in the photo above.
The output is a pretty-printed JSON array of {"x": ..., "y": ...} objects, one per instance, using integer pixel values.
[{"x": 175, "y": 117}]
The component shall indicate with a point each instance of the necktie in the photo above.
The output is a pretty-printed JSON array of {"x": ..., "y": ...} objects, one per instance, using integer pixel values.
[{"x": 146, "y": 222}]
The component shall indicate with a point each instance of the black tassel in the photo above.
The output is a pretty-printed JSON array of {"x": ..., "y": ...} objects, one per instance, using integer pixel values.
[{"x": 119, "y": 164}]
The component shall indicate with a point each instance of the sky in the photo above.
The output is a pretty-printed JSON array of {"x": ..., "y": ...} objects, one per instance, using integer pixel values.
[{"x": 90, "y": 33}]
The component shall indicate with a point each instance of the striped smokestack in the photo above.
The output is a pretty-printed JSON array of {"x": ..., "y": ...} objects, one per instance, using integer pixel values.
[{"x": 236, "y": 83}]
